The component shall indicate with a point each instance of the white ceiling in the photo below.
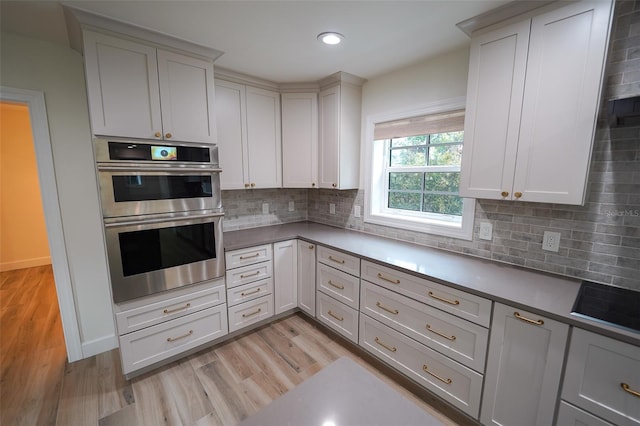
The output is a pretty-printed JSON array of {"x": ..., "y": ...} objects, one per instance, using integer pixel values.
[{"x": 276, "y": 40}]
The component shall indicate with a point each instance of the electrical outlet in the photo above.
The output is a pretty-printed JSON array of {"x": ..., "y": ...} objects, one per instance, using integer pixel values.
[
  {"x": 332, "y": 208},
  {"x": 265, "y": 208},
  {"x": 486, "y": 231},
  {"x": 292, "y": 206},
  {"x": 551, "y": 241},
  {"x": 356, "y": 211}
]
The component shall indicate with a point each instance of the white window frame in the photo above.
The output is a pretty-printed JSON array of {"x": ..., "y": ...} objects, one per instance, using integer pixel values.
[{"x": 376, "y": 194}]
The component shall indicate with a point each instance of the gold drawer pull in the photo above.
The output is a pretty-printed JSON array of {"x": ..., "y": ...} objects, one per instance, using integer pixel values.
[
  {"x": 452, "y": 338},
  {"x": 335, "y": 259},
  {"x": 249, "y": 257},
  {"x": 252, "y": 313},
  {"x": 338, "y": 286},
  {"x": 171, "y": 311},
  {"x": 173, "y": 339},
  {"x": 249, "y": 293},
  {"x": 525, "y": 319},
  {"x": 250, "y": 275},
  {"x": 391, "y": 280},
  {"x": 387, "y": 347},
  {"x": 311, "y": 246},
  {"x": 628, "y": 389},
  {"x": 442, "y": 299},
  {"x": 336, "y": 316},
  {"x": 391, "y": 311},
  {"x": 426, "y": 370}
]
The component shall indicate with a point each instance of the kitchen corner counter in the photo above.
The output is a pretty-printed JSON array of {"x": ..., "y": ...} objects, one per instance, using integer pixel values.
[{"x": 540, "y": 292}]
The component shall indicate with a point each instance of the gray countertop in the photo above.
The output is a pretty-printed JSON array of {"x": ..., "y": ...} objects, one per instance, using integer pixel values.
[{"x": 539, "y": 292}]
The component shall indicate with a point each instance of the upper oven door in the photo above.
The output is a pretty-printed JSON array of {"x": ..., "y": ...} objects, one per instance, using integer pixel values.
[{"x": 127, "y": 191}]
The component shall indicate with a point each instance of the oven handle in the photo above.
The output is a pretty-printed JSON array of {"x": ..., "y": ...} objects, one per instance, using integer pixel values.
[
  {"x": 150, "y": 219},
  {"x": 158, "y": 168}
]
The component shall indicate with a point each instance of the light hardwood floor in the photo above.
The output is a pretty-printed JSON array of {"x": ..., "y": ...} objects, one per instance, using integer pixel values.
[{"x": 217, "y": 386}]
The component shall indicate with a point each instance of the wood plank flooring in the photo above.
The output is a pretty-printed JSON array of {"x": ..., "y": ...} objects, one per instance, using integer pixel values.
[{"x": 217, "y": 386}]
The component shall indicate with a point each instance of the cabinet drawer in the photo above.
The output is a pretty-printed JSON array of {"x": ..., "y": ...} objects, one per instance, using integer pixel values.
[
  {"x": 249, "y": 274},
  {"x": 339, "y": 260},
  {"x": 597, "y": 367},
  {"x": 456, "y": 302},
  {"x": 248, "y": 256},
  {"x": 152, "y": 344},
  {"x": 250, "y": 291},
  {"x": 337, "y": 316},
  {"x": 339, "y": 285},
  {"x": 568, "y": 415},
  {"x": 456, "y": 338},
  {"x": 250, "y": 312},
  {"x": 140, "y": 317},
  {"x": 451, "y": 381}
]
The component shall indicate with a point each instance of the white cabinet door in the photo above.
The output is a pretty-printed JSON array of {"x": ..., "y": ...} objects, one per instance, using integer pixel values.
[
  {"x": 300, "y": 140},
  {"x": 264, "y": 138},
  {"x": 522, "y": 379},
  {"x": 186, "y": 95},
  {"x": 497, "y": 66},
  {"x": 122, "y": 87},
  {"x": 561, "y": 100},
  {"x": 285, "y": 264},
  {"x": 232, "y": 134},
  {"x": 307, "y": 277},
  {"x": 329, "y": 138}
]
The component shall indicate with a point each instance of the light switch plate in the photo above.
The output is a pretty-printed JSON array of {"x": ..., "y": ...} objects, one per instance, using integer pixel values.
[
  {"x": 265, "y": 208},
  {"x": 486, "y": 231},
  {"x": 332, "y": 208},
  {"x": 292, "y": 206},
  {"x": 356, "y": 211},
  {"x": 551, "y": 241}
]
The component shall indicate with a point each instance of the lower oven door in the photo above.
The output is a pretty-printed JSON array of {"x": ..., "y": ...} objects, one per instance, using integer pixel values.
[{"x": 159, "y": 253}]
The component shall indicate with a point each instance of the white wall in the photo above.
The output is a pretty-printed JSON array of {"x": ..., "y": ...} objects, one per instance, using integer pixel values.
[{"x": 58, "y": 72}]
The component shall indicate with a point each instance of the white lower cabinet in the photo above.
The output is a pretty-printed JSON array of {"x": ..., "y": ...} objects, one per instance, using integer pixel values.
[
  {"x": 251, "y": 312},
  {"x": 446, "y": 378},
  {"x": 568, "y": 415},
  {"x": 526, "y": 353},
  {"x": 603, "y": 377},
  {"x": 339, "y": 285},
  {"x": 337, "y": 316},
  {"x": 244, "y": 293},
  {"x": 285, "y": 272},
  {"x": 307, "y": 277}
]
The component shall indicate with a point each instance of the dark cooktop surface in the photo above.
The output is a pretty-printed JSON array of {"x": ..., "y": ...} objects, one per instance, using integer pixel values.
[{"x": 616, "y": 306}]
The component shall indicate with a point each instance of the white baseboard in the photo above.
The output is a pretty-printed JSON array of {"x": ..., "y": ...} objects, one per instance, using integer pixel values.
[
  {"x": 25, "y": 263},
  {"x": 97, "y": 346}
]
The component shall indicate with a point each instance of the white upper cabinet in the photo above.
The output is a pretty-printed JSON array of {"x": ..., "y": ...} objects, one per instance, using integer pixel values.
[
  {"x": 532, "y": 104},
  {"x": 339, "y": 127},
  {"x": 248, "y": 122},
  {"x": 300, "y": 140},
  {"x": 138, "y": 91}
]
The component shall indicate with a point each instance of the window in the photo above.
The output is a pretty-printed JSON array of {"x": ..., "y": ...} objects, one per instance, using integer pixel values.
[{"x": 414, "y": 174}]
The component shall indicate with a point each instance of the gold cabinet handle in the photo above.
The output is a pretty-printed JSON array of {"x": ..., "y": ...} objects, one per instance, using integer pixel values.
[
  {"x": 335, "y": 259},
  {"x": 311, "y": 246},
  {"x": 249, "y": 256},
  {"x": 173, "y": 339},
  {"x": 246, "y": 185},
  {"x": 250, "y": 275},
  {"x": 336, "y": 316},
  {"x": 629, "y": 390},
  {"x": 525, "y": 319},
  {"x": 517, "y": 194},
  {"x": 426, "y": 370},
  {"x": 168, "y": 136},
  {"x": 313, "y": 184},
  {"x": 384, "y": 308},
  {"x": 387, "y": 347},
  {"x": 182, "y": 308},
  {"x": 442, "y": 299},
  {"x": 249, "y": 293},
  {"x": 157, "y": 134},
  {"x": 504, "y": 194},
  {"x": 452, "y": 338},
  {"x": 391, "y": 280},
  {"x": 252, "y": 313},
  {"x": 338, "y": 286},
  {"x": 253, "y": 185},
  {"x": 334, "y": 185}
]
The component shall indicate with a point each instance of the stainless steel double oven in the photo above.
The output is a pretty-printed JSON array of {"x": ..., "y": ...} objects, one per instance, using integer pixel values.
[{"x": 162, "y": 215}]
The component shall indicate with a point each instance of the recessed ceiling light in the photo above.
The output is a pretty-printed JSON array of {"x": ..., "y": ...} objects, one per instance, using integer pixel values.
[{"x": 330, "y": 37}]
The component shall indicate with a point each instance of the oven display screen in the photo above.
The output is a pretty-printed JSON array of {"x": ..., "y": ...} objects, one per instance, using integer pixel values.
[{"x": 164, "y": 153}]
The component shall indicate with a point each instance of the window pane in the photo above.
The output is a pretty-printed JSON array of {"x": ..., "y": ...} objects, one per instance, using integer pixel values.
[
  {"x": 446, "y": 155},
  {"x": 413, "y": 156},
  {"x": 404, "y": 201},
  {"x": 405, "y": 181},
  {"x": 442, "y": 182},
  {"x": 447, "y": 137},
  {"x": 409, "y": 141},
  {"x": 443, "y": 204}
]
